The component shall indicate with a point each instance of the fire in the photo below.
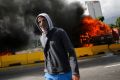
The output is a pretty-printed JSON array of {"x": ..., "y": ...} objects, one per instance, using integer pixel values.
[
  {"x": 94, "y": 27},
  {"x": 91, "y": 28}
]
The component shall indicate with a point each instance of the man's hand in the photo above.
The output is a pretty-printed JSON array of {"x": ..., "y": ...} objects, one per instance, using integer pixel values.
[{"x": 75, "y": 77}]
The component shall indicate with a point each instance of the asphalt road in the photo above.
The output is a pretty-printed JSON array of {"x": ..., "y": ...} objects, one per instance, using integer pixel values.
[{"x": 105, "y": 67}]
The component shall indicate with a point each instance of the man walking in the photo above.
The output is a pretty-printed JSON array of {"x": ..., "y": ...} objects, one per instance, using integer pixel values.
[{"x": 60, "y": 57}]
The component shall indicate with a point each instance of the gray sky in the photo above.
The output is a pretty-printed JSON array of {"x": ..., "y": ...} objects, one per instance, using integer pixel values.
[{"x": 110, "y": 8}]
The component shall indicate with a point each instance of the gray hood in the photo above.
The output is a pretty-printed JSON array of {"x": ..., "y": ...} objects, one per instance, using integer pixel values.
[{"x": 50, "y": 24}]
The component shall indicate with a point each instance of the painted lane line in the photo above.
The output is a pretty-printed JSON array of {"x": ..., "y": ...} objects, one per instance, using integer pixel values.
[{"x": 112, "y": 65}]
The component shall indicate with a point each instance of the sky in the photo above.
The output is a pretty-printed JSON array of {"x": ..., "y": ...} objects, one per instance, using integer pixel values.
[{"x": 110, "y": 8}]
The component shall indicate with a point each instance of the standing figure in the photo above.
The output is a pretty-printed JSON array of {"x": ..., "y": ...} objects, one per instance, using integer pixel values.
[{"x": 60, "y": 58}]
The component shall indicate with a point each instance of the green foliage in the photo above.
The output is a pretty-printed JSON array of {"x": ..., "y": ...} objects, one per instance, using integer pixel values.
[
  {"x": 101, "y": 18},
  {"x": 118, "y": 22},
  {"x": 112, "y": 25}
]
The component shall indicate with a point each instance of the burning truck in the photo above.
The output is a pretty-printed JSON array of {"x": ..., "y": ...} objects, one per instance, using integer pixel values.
[{"x": 94, "y": 32}]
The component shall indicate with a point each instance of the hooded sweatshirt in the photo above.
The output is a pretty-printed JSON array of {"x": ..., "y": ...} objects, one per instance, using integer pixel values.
[
  {"x": 43, "y": 38},
  {"x": 59, "y": 53}
]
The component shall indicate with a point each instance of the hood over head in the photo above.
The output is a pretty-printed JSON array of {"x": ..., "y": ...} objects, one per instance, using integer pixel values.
[{"x": 50, "y": 24}]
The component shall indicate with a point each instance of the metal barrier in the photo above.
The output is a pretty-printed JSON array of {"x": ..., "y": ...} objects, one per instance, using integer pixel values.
[
  {"x": 84, "y": 51},
  {"x": 101, "y": 49}
]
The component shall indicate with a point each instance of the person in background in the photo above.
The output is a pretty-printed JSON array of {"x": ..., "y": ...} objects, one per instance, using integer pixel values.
[{"x": 60, "y": 58}]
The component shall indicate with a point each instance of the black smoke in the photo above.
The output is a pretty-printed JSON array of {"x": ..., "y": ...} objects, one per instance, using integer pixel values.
[
  {"x": 64, "y": 15},
  {"x": 13, "y": 34},
  {"x": 13, "y": 37},
  {"x": 17, "y": 18}
]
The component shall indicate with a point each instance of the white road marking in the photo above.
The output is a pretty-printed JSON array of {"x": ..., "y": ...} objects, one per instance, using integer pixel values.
[{"x": 112, "y": 66}]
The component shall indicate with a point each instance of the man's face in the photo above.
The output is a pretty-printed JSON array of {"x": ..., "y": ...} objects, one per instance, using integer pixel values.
[{"x": 43, "y": 24}]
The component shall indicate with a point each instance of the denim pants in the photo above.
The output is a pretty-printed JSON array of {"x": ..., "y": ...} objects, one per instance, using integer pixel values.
[{"x": 65, "y": 76}]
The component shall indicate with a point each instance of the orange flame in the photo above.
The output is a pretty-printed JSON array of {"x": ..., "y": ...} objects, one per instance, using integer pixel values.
[
  {"x": 91, "y": 28},
  {"x": 94, "y": 27}
]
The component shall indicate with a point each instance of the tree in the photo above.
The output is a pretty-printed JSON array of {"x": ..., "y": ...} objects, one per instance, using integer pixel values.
[
  {"x": 118, "y": 22},
  {"x": 112, "y": 25},
  {"x": 101, "y": 18}
]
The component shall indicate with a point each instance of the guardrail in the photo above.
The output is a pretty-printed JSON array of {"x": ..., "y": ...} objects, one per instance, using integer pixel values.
[
  {"x": 38, "y": 56},
  {"x": 84, "y": 51},
  {"x": 35, "y": 57},
  {"x": 115, "y": 48},
  {"x": 0, "y": 62},
  {"x": 11, "y": 60},
  {"x": 101, "y": 49},
  {"x": 21, "y": 59}
]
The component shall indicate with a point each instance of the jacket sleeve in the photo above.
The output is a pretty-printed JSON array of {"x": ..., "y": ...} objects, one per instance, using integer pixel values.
[{"x": 71, "y": 52}]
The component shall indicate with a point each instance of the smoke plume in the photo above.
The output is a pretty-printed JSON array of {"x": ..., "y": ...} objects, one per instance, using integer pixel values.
[
  {"x": 66, "y": 16},
  {"x": 17, "y": 17},
  {"x": 12, "y": 37}
]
